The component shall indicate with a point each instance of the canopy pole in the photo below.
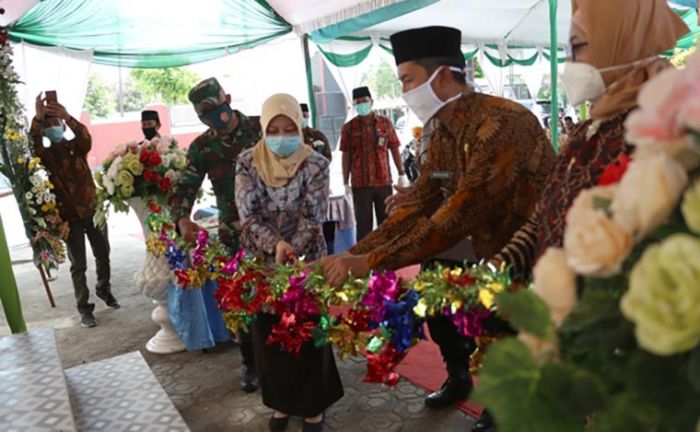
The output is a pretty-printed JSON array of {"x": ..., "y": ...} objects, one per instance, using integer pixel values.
[
  {"x": 9, "y": 297},
  {"x": 554, "y": 63},
  {"x": 309, "y": 79}
]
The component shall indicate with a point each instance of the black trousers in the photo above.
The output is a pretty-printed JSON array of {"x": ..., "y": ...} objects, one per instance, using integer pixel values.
[
  {"x": 329, "y": 236},
  {"x": 365, "y": 199},
  {"x": 99, "y": 242}
]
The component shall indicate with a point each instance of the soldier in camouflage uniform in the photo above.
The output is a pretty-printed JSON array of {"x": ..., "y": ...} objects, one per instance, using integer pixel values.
[{"x": 214, "y": 154}]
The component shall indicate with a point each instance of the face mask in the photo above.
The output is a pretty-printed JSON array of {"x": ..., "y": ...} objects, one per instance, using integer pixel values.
[
  {"x": 283, "y": 145},
  {"x": 423, "y": 100},
  {"x": 364, "y": 109},
  {"x": 220, "y": 117},
  {"x": 149, "y": 133},
  {"x": 583, "y": 82},
  {"x": 54, "y": 133}
]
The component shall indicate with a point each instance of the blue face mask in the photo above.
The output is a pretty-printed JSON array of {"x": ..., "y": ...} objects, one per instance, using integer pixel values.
[
  {"x": 219, "y": 118},
  {"x": 364, "y": 108},
  {"x": 54, "y": 133},
  {"x": 283, "y": 145}
]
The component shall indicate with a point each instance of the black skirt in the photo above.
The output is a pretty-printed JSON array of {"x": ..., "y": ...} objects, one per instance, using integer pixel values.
[{"x": 301, "y": 385}]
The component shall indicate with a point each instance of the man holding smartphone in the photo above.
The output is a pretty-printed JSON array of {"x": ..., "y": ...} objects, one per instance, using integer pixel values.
[{"x": 66, "y": 161}]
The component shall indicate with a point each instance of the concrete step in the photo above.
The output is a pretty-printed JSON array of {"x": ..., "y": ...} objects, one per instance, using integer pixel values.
[
  {"x": 33, "y": 391},
  {"x": 121, "y": 394}
]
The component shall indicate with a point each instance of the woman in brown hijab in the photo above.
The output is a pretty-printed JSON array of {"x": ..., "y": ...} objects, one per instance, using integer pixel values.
[{"x": 615, "y": 47}]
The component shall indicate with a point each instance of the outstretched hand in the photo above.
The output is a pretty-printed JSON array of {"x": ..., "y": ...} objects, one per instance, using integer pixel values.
[{"x": 339, "y": 268}]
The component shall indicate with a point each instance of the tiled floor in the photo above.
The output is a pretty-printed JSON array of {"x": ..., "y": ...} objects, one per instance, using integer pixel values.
[{"x": 33, "y": 393}]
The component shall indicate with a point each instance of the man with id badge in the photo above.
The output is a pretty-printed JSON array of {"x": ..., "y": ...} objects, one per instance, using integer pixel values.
[
  {"x": 365, "y": 142},
  {"x": 487, "y": 163}
]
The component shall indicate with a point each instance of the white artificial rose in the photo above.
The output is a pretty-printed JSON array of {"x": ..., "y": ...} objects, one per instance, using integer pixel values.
[
  {"x": 555, "y": 283},
  {"x": 163, "y": 145},
  {"x": 683, "y": 150},
  {"x": 593, "y": 243},
  {"x": 648, "y": 193},
  {"x": 114, "y": 168}
]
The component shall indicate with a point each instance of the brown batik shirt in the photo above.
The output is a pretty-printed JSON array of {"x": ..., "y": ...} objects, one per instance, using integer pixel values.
[
  {"x": 68, "y": 169},
  {"x": 482, "y": 178}
]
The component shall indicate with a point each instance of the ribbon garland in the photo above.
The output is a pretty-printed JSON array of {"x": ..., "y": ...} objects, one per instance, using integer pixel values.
[{"x": 382, "y": 316}]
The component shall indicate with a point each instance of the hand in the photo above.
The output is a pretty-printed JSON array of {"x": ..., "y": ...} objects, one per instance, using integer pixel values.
[
  {"x": 348, "y": 191},
  {"x": 401, "y": 195},
  {"x": 284, "y": 253},
  {"x": 188, "y": 230},
  {"x": 39, "y": 107},
  {"x": 339, "y": 268},
  {"x": 55, "y": 109}
]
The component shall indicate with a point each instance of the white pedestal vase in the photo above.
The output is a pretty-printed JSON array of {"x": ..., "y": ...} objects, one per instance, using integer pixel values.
[{"x": 153, "y": 279}]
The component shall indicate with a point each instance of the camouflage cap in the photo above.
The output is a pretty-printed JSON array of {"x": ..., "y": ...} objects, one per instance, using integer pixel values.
[{"x": 207, "y": 95}]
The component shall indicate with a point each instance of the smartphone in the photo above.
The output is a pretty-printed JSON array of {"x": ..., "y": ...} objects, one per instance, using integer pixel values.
[{"x": 51, "y": 96}]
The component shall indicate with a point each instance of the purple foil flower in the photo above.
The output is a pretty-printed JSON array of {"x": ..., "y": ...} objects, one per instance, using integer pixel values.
[{"x": 469, "y": 323}]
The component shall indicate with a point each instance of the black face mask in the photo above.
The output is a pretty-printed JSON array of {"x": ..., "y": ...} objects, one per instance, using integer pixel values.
[{"x": 149, "y": 133}]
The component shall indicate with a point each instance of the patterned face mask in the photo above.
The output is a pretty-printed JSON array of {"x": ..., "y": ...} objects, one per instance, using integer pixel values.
[{"x": 218, "y": 118}]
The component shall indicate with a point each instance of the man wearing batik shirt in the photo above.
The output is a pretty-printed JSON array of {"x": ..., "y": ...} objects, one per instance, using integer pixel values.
[
  {"x": 314, "y": 138},
  {"x": 214, "y": 154},
  {"x": 487, "y": 164},
  {"x": 66, "y": 162},
  {"x": 366, "y": 141}
]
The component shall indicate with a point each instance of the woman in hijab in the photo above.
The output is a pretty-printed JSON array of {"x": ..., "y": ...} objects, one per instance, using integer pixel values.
[
  {"x": 282, "y": 196},
  {"x": 614, "y": 51}
]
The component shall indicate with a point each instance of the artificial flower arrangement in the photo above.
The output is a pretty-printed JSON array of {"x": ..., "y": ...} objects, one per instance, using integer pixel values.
[
  {"x": 144, "y": 170},
  {"x": 611, "y": 332},
  {"x": 30, "y": 181},
  {"x": 381, "y": 316}
]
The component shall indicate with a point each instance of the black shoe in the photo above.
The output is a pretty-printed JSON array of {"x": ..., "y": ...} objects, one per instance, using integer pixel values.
[
  {"x": 455, "y": 389},
  {"x": 313, "y": 427},
  {"x": 87, "y": 319},
  {"x": 278, "y": 424},
  {"x": 249, "y": 381},
  {"x": 484, "y": 424},
  {"x": 110, "y": 301}
]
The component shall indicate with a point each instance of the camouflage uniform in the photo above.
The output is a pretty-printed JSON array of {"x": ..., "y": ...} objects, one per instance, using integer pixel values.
[{"x": 214, "y": 154}]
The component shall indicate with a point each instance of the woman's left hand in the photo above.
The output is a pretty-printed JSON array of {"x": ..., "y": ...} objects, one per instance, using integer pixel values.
[{"x": 284, "y": 253}]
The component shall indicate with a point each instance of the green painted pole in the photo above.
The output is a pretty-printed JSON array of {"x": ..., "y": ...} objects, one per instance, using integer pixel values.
[
  {"x": 9, "y": 297},
  {"x": 553, "y": 61},
  {"x": 309, "y": 79}
]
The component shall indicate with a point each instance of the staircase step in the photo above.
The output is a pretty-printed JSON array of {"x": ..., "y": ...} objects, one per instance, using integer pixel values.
[
  {"x": 33, "y": 392},
  {"x": 121, "y": 394}
]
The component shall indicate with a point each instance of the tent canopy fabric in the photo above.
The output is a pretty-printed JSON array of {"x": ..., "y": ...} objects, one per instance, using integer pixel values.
[{"x": 153, "y": 33}]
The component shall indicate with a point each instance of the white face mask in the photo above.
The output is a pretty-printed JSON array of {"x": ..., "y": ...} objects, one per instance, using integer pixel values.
[
  {"x": 583, "y": 82},
  {"x": 424, "y": 102}
]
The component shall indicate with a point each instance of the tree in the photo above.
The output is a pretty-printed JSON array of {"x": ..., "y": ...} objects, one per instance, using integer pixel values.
[
  {"x": 132, "y": 98},
  {"x": 100, "y": 99},
  {"x": 382, "y": 81},
  {"x": 167, "y": 85}
]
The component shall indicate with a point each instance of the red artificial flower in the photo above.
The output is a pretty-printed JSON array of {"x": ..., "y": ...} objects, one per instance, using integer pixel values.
[
  {"x": 164, "y": 184},
  {"x": 155, "y": 208},
  {"x": 614, "y": 172},
  {"x": 381, "y": 367},
  {"x": 290, "y": 333},
  {"x": 151, "y": 176},
  {"x": 143, "y": 157},
  {"x": 154, "y": 159},
  {"x": 244, "y": 293}
]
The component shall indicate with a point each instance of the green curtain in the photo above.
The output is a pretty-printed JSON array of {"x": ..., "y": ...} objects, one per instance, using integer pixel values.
[
  {"x": 691, "y": 19},
  {"x": 151, "y": 33},
  {"x": 347, "y": 60},
  {"x": 510, "y": 60},
  {"x": 561, "y": 56}
]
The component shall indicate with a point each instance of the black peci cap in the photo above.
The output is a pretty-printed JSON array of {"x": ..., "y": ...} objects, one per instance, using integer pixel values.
[
  {"x": 361, "y": 92},
  {"x": 428, "y": 42}
]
